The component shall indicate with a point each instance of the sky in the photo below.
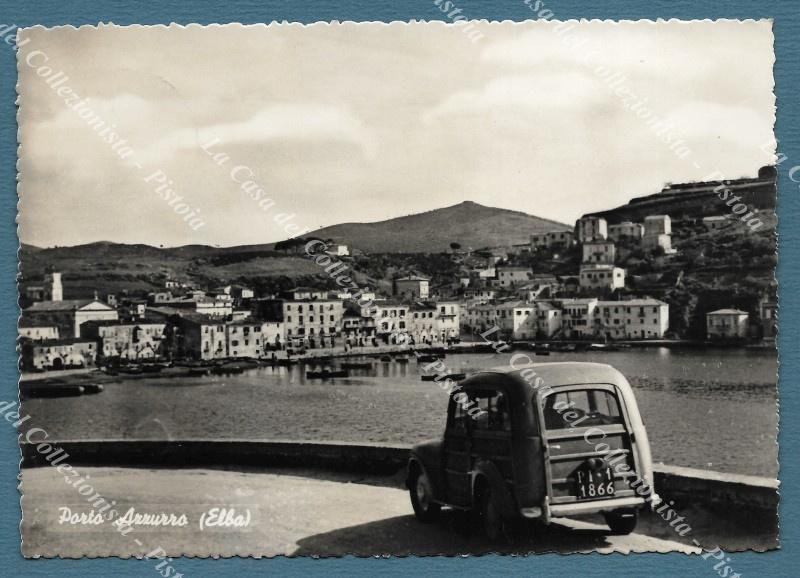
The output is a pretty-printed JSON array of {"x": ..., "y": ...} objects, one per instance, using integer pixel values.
[{"x": 366, "y": 122}]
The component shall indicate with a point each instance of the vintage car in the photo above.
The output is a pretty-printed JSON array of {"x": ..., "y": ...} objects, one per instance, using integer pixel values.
[{"x": 537, "y": 441}]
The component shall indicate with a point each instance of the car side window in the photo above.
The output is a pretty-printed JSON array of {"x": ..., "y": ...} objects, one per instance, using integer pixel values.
[
  {"x": 460, "y": 417},
  {"x": 494, "y": 415}
]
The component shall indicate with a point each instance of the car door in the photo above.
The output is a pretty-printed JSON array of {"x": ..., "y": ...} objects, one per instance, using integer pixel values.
[
  {"x": 490, "y": 432},
  {"x": 456, "y": 455}
]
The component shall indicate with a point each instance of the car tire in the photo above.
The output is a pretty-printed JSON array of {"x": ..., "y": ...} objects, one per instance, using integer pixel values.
[
  {"x": 491, "y": 519},
  {"x": 421, "y": 493},
  {"x": 622, "y": 524}
]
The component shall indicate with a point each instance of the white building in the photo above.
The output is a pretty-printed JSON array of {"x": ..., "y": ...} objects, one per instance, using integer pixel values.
[
  {"x": 478, "y": 318},
  {"x": 510, "y": 277},
  {"x": 58, "y": 354},
  {"x": 626, "y": 229},
  {"x": 448, "y": 320},
  {"x": 422, "y": 322},
  {"x": 130, "y": 341},
  {"x": 299, "y": 293},
  {"x": 591, "y": 228},
  {"x": 575, "y": 316},
  {"x": 715, "y": 222},
  {"x": 412, "y": 287},
  {"x": 392, "y": 321},
  {"x": 337, "y": 250},
  {"x": 604, "y": 277},
  {"x": 68, "y": 315},
  {"x": 602, "y": 252},
  {"x": 548, "y": 319},
  {"x": 552, "y": 239},
  {"x": 726, "y": 324},
  {"x": 214, "y": 307},
  {"x": 484, "y": 273},
  {"x": 631, "y": 319},
  {"x": 247, "y": 338},
  {"x": 657, "y": 232},
  {"x": 314, "y": 322},
  {"x": 36, "y": 331},
  {"x": 54, "y": 290},
  {"x": 516, "y": 320}
]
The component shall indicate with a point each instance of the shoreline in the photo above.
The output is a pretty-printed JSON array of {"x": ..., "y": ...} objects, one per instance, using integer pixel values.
[{"x": 187, "y": 368}]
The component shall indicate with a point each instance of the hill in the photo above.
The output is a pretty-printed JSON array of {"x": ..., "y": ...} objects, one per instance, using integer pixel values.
[
  {"x": 115, "y": 267},
  {"x": 698, "y": 199},
  {"x": 470, "y": 224}
]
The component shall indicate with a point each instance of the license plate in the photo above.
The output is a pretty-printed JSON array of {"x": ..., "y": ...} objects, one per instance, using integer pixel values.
[{"x": 594, "y": 484}]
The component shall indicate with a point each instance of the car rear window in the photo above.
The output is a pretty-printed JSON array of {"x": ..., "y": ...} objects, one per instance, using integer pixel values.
[
  {"x": 581, "y": 407},
  {"x": 494, "y": 415}
]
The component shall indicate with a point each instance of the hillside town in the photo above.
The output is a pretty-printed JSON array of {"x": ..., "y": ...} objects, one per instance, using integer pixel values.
[{"x": 513, "y": 303}]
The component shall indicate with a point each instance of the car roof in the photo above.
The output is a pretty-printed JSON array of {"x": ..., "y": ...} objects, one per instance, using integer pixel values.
[
  {"x": 562, "y": 373},
  {"x": 553, "y": 375}
]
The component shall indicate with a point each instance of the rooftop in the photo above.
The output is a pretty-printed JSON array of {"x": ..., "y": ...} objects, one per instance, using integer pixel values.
[
  {"x": 631, "y": 302},
  {"x": 115, "y": 322},
  {"x": 728, "y": 312},
  {"x": 65, "y": 305},
  {"x": 186, "y": 314},
  {"x": 65, "y": 341},
  {"x": 28, "y": 322}
]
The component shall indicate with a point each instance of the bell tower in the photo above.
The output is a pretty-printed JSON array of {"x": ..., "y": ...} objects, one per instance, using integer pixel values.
[{"x": 53, "y": 286}]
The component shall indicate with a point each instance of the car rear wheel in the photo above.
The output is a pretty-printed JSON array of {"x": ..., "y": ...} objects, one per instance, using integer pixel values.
[
  {"x": 421, "y": 492},
  {"x": 622, "y": 523},
  {"x": 490, "y": 516}
]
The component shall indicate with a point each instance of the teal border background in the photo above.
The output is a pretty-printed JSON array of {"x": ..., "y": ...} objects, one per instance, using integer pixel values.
[{"x": 786, "y": 14}]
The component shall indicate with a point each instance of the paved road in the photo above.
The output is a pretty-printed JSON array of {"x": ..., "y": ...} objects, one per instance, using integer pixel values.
[{"x": 289, "y": 514}]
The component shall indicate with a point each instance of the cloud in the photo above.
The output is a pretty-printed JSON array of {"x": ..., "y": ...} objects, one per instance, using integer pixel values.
[
  {"x": 540, "y": 91},
  {"x": 276, "y": 122}
]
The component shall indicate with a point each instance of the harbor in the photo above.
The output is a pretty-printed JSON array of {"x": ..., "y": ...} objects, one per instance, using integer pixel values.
[{"x": 683, "y": 393}]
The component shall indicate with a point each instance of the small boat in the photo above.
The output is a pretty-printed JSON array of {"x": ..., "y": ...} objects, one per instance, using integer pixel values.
[
  {"x": 429, "y": 358},
  {"x": 326, "y": 374},
  {"x": 66, "y": 390},
  {"x": 386, "y": 357},
  {"x": 564, "y": 347},
  {"x": 152, "y": 368},
  {"x": 199, "y": 371},
  {"x": 356, "y": 365},
  {"x": 401, "y": 359},
  {"x": 92, "y": 387},
  {"x": 285, "y": 362},
  {"x": 603, "y": 347},
  {"x": 227, "y": 369},
  {"x": 439, "y": 376},
  {"x": 131, "y": 369}
]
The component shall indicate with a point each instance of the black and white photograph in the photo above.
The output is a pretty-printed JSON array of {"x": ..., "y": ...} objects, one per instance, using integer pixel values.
[{"x": 390, "y": 289}]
